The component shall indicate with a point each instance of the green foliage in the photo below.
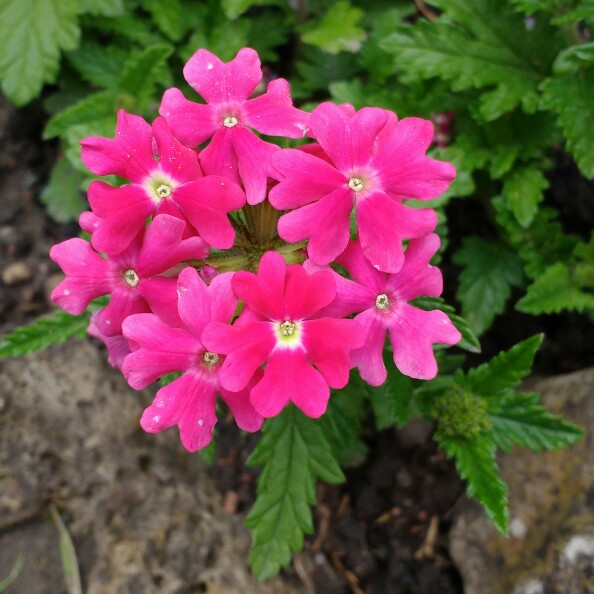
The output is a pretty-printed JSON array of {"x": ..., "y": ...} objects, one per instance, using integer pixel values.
[
  {"x": 337, "y": 30},
  {"x": 489, "y": 271},
  {"x": 55, "y": 328},
  {"x": 520, "y": 420},
  {"x": 62, "y": 196},
  {"x": 555, "y": 290},
  {"x": 34, "y": 34},
  {"x": 294, "y": 451},
  {"x": 479, "y": 412},
  {"x": 571, "y": 98},
  {"x": 522, "y": 190},
  {"x": 477, "y": 45},
  {"x": 476, "y": 464}
]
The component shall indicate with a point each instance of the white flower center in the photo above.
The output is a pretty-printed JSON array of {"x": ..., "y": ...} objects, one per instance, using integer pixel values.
[
  {"x": 356, "y": 184},
  {"x": 163, "y": 191},
  {"x": 382, "y": 302},
  {"x": 230, "y": 121},
  {"x": 211, "y": 359},
  {"x": 131, "y": 277},
  {"x": 287, "y": 328}
]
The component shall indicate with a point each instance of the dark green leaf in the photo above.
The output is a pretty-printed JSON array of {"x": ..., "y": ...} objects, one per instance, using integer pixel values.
[
  {"x": 571, "y": 97},
  {"x": 62, "y": 196},
  {"x": 523, "y": 192},
  {"x": 554, "y": 291},
  {"x": 33, "y": 34},
  {"x": 504, "y": 372},
  {"x": 519, "y": 419},
  {"x": 108, "y": 8},
  {"x": 97, "y": 64},
  {"x": 337, "y": 30},
  {"x": 490, "y": 269},
  {"x": 476, "y": 464},
  {"x": 294, "y": 452}
]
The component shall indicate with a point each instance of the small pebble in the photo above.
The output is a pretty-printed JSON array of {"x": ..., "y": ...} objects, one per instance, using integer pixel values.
[{"x": 16, "y": 273}]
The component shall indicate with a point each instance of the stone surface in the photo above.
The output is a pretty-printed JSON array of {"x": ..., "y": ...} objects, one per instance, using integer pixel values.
[
  {"x": 16, "y": 273},
  {"x": 143, "y": 513},
  {"x": 551, "y": 543}
]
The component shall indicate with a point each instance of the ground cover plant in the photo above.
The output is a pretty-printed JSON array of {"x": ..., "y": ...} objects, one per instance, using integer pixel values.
[{"x": 314, "y": 219}]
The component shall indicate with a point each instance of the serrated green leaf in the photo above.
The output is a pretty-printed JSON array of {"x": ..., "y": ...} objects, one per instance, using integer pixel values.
[
  {"x": 583, "y": 12},
  {"x": 571, "y": 59},
  {"x": 294, "y": 451},
  {"x": 498, "y": 377},
  {"x": 91, "y": 108},
  {"x": 224, "y": 39},
  {"x": 34, "y": 32},
  {"x": 97, "y": 64},
  {"x": 476, "y": 464},
  {"x": 235, "y": 8},
  {"x": 523, "y": 191},
  {"x": 108, "y": 8},
  {"x": 342, "y": 423},
  {"x": 490, "y": 269},
  {"x": 140, "y": 74},
  {"x": 532, "y": 6},
  {"x": 519, "y": 420},
  {"x": 168, "y": 17},
  {"x": 62, "y": 197},
  {"x": 571, "y": 98},
  {"x": 55, "y": 328},
  {"x": 337, "y": 30},
  {"x": 554, "y": 291},
  {"x": 477, "y": 45},
  {"x": 268, "y": 30}
]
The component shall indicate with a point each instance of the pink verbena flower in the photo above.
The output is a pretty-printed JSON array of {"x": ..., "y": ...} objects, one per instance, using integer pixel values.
[
  {"x": 234, "y": 150},
  {"x": 117, "y": 346},
  {"x": 131, "y": 278},
  {"x": 165, "y": 177},
  {"x": 189, "y": 401},
  {"x": 381, "y": 301},
  {"x": 280, "y": 327},
  {"x": 374, "y": 163}
]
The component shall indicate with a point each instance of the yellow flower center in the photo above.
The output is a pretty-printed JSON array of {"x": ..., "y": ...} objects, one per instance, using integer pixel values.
[
  {"x": 356, "y": 184},
  {"x": 230, "y": 121},
  {"x": 211, "y": 359},
  {"x": 287, "y": 328},
  {"x": 131, "y": 277},
  {"x": 163, "y": 191},
  {"x": 382, "y": 302}
]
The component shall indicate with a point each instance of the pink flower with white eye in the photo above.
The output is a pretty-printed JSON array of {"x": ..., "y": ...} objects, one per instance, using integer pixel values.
[
  {"x": 131, "y": 278},
  {"x": 381, "y": 302},
  {"x": 228, "y": 115},
  {"x": 165, "y": 177},
  {"x": 190, "y": 400},
  {"x": 280, "y": 326},
  {"x": 375, "y": 163}
]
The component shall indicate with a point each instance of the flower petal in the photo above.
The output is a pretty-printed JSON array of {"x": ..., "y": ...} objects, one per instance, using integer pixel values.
[
  {"x": 326, "y": 223},
  {"x": 288, "y": 377},
  {"x": 361, "y": 270},
  {"x": 369, "y": 357},
  {"x": 191, "y": 123},
  {"x": 273, "y": 113},
  {"x": 206, "y": 202},
  {"x": 174, "y": 158},
  {"x": 124, "y": 301},
  {"x": 304, "y": 178},
  {"x": 189, "y": 402},
  {"x": 402, "y": 166},
  {"x": 413, "y": 332},
  {"x": 129, "y": 155},
  {"x": 219, "y": 82},
  {"x": 383, "y": 223},
  {"x": 253, "y": 158},
  {"x": 306, "y": 294},
  {"x": 123, "y": 213}
]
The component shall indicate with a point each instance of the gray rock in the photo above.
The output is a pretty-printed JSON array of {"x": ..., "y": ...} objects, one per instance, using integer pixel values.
[
  {"x": 551, "y": 544},
  {"x": 16, "y": 273},
  {"x": 143, "y": 513}
]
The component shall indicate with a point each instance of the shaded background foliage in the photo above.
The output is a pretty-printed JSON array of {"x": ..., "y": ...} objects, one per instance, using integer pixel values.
[{"x": 509, "y": 86}]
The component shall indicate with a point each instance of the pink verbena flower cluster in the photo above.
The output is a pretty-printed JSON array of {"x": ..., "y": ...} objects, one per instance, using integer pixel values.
[{"x": 215, "y": 252}]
